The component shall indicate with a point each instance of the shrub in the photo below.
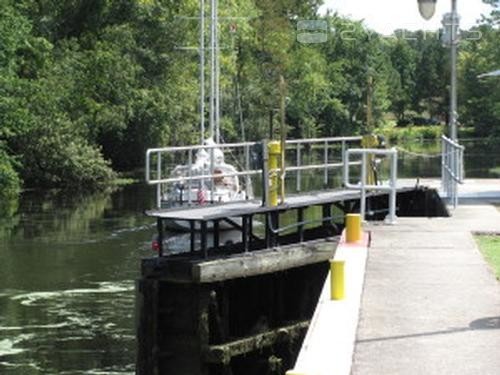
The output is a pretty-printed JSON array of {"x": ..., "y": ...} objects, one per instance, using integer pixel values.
[
  {"x": 10, "y": 185},
  {"x": 57, "y": 160}
]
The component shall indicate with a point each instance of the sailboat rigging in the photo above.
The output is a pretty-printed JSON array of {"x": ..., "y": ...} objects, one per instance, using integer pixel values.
[{"x": 209, "y": 161}]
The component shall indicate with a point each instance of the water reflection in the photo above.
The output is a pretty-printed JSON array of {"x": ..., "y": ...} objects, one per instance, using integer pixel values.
[{"x": 67, "y": 282}]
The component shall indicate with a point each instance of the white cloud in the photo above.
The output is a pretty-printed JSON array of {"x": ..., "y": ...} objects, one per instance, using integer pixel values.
[{"x": 385, "y": 16}]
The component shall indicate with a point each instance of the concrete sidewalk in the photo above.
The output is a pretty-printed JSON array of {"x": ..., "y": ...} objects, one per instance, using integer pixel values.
[{"x": 431, "y": 305}]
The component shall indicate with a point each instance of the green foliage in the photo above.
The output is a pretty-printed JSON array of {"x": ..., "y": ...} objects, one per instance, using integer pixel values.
[
  {"x": 481, "y": 97},
  {"x": 9, "y": 185},
  {"x": 404, "y": 62},
  {"x": 59, "y": 160},
  {"x": 86, "y": 86},
  {"x": 495, "y": 172},
  {"x": 397, "y": 135}
]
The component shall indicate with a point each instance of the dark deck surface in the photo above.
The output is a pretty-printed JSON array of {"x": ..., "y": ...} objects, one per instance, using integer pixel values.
[{"x": 251, "y": 207}]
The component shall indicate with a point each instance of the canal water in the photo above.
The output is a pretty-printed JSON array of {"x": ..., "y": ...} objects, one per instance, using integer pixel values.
[{"x": 68, "y": 265}]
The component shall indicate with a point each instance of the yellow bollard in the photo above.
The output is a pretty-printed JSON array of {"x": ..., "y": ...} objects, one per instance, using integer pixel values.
[
  {"x": 353, "y": 231},
  {"x": 274, "y": 149},
  {"x": 337, "y": 287}
]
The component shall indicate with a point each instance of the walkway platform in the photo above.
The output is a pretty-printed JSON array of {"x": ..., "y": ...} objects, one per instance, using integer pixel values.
[
  {"x": 430, "y": 303},
  {"x": 240, "y": 216},
  {"x": 471, "y": 189}
]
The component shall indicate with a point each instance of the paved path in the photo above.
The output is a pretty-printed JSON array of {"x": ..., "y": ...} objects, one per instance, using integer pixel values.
[
  {"x": 471, "y": 189},
  {"x": 431, "y": 305}
]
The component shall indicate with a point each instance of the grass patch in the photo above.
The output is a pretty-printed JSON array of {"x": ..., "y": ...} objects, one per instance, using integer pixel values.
[
  {"x": 398, "y": 134},
  {"x": 124, "y": 181},
  {"x": 490, "y": 247},
  {"x": 495, "y": 171}
]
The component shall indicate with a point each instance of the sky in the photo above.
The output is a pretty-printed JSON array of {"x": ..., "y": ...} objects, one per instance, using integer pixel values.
[{"x": 384, "y": 16}]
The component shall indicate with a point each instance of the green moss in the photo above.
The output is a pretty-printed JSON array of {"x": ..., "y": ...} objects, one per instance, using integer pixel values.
[{"x": 490, "y": 247}]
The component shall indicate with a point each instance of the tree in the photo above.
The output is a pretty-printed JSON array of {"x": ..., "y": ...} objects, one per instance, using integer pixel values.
[
  {"x": 431, "y": 75},
  {"x": 403, "y": 59},
  {"x": 480, "y": 98}
]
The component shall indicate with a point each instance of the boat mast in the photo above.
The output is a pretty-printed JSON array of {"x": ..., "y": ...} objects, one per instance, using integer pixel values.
[
  {"x": 212, "y": 68},
  {"x": 202, "y": 70},
  {"x": 217, "y": 74}
]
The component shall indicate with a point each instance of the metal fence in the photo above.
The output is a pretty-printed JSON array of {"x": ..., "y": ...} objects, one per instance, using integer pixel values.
[
  {"x": 452, "y": 168},
  {"x": 159, "y": 162},
  {"x": 159, "y": 174},
  {"x": 363, "y": 184}
]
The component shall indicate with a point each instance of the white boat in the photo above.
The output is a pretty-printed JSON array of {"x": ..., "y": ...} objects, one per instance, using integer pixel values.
[
  {"x": 203, "y": 191},
  {"x": 221, "y": 189}
]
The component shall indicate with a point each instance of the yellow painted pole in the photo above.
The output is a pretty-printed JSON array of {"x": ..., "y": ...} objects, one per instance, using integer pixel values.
[
  {"x": 274, "y": 148},
  {"x": 337, "y": 287},
  {"x": 353, "y": 231}
]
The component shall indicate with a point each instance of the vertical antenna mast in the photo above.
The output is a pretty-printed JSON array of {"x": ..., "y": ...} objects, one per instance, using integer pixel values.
[
  {"x": 212, "y": 67},
  {"x": 202, "y": 70},
  {"x": 217, "y": 73}
]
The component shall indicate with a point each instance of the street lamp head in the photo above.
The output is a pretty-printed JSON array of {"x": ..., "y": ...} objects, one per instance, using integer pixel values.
[{"x": 427, "y": 8}]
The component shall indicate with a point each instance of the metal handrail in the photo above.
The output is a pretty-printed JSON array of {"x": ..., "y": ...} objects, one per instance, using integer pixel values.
[
  {"x": 296, "y": 145},
  {"x": 326, "y": 139},
  {"x": 364, "y": 187},
  {"x": 452, "y": 168}
]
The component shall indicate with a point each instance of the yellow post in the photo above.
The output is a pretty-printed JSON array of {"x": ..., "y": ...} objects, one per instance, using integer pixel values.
[
  {"x": 353, "y": 231},
  {"x": 337, "y": 287},
  {"x": 274, "y": 148}
]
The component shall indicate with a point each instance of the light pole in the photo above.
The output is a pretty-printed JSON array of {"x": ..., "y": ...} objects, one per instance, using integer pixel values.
[{"x": 451, "y": 22}]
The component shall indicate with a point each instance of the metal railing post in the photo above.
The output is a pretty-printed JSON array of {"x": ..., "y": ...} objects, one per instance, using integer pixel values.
[
  {"x": 363, "y": 191},
  {"x": 265, "y": 173},
  {"x": 158, "y": 176},
  {"x": 247, "y": 167},
  {"x": 299, "y": 184},
  {"x": 457, "y": 176},
  {"x": 190, "y": 174},
  {"x": 393, "y": 192},
  {"x": 443, "y": 165},
  {"x": 344, "y": 170},
  {"x": 325, "y": 161},
  {"x": 212, "y": 182},
  {"x": 452, "y": 170}
]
